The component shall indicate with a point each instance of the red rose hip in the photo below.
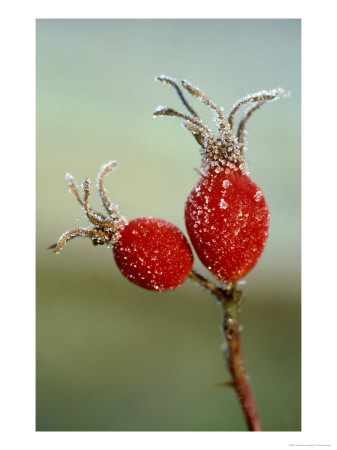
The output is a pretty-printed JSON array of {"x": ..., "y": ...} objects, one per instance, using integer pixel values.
[
  {"x": 153, "y": 253},
  {"x": 227, "y": 220}
]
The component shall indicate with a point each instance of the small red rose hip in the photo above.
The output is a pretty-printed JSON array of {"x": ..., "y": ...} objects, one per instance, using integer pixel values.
[
  {"x": 226, "y": 215},
  {"x": 152, "y": 253}
]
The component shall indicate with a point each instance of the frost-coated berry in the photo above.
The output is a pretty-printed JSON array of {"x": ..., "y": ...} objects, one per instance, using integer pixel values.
[
  {"x": 227, "y": 220},
  {"x": 153, "y": 254}
]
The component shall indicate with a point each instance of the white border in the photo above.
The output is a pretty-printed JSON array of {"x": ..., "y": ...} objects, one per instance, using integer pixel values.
[{"x": 319, "y": 225}]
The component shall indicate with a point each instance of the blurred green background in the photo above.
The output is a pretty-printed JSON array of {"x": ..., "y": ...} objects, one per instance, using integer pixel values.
[{"x": 110, "y": 355}]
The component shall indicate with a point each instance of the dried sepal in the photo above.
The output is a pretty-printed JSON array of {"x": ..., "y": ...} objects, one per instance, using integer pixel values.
[
  {"x": 110, "y": 208},
  {"x": 70, "y": 180},
  {"x": 198, "y": 94},
  {"x": 172, "y": 82},
  {"x": 73, "y": 188},
  {"x": 241, "y": 131},
  {"x": 71, "y": 234},
  {"x": 261, "y": 96},
  {"x": 165, "y": 111},
  {"x": 106, "y": 228},
  {"x": 215, "y": 152},
  {"x": 228, "y": 149}
]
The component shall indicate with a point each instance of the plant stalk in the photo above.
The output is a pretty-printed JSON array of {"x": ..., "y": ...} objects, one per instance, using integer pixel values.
[{"x": 231, "y": 300}]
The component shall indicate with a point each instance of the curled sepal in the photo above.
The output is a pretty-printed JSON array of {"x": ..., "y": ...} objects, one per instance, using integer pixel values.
[
  {"x": 227, "y": 150},
  {"x": 106, "y": 228}
]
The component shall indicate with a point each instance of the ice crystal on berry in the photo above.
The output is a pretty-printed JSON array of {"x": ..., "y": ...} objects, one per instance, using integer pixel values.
[{"x": 223, "y": 204}]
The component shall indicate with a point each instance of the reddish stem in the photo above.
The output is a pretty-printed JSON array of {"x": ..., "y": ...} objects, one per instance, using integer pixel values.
[
  {"x": 231, "y": 299},
  {"x": 240, "y": 379}
]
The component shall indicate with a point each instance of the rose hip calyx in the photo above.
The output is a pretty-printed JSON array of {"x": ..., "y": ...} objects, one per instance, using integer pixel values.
[{"x": 226, "y": 150}]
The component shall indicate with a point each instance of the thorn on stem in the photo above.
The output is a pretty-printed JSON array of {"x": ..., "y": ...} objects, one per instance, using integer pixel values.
[{"x": 222, "y": 384}]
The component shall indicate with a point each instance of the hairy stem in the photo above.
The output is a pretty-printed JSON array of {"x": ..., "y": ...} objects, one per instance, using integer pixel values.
[{"x": 231, "y": 299}]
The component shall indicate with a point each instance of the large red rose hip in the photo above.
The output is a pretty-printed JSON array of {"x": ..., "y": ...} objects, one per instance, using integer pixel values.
[{"x": 227, "y": 220}]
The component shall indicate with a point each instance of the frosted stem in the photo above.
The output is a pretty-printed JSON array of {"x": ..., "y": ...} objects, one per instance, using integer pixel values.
[{"x": 230, "y": 298}]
